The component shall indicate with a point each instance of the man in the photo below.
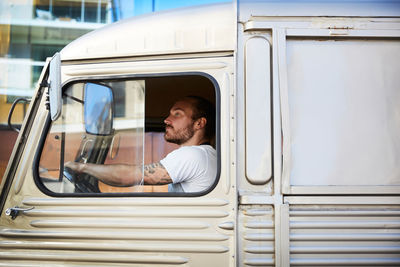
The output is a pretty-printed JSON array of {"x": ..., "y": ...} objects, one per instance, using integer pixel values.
[{"x": 190, "y": 168}]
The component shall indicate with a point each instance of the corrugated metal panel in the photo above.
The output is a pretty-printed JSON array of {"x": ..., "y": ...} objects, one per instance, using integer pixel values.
[
  {"x": 123, "y": 232},
  {"x": 344, "y": 235},
  {"x": 256, "y": 235}
]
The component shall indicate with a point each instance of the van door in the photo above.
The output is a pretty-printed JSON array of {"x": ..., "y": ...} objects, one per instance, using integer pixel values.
[
  {"x": 330, "y": 86},
  {"x": 341, "y": 142},
  {"x": 56, "y": 224}
]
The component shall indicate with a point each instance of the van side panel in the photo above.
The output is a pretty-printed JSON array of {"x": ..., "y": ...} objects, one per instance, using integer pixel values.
[
  {"x": 122, "y": 230},
  {"x": 344, "y": 231},
  {"x": 335, "y": 133}
]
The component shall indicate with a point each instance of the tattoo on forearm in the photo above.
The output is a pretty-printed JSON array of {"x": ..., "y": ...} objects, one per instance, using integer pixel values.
[
  {"x": 151, "y": 168},
  {"x": 156, "y": 174}
]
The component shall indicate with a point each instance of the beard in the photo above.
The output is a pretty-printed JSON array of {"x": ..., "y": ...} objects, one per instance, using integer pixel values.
[{"x": 180, "y": 136}]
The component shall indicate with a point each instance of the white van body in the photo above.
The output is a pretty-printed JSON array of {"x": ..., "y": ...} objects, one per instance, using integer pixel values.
[{"x": 308, "y": 139}]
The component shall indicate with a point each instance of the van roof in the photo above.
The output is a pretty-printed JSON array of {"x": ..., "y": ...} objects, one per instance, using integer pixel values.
[{"x": 208, "y": 28}]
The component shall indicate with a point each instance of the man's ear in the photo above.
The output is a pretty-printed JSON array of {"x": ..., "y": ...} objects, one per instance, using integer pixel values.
[{"x": 200, "y": 123}]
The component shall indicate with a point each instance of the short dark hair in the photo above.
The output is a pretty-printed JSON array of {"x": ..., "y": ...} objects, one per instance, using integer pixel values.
[{"x": 204, "y": 108}]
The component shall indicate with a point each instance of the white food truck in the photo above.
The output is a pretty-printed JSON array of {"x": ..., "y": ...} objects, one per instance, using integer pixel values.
[{"x": 307, "y": 98}]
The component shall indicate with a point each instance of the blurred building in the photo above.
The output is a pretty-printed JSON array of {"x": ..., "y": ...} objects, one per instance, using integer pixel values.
[{"x": 32, "y": 30}]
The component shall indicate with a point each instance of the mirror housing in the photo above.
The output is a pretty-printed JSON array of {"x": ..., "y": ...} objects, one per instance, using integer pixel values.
[
  {"x": 98, "y": 109},
  {"x": 55, "y": 87}
]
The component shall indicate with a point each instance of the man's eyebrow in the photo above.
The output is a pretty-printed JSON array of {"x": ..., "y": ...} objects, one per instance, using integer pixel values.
[{"x": 177, "y": 109}]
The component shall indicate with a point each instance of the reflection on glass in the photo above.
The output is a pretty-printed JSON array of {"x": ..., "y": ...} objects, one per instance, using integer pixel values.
[
  {"x": 88, "y": 132},
  {"x": 98, "y": 109}
]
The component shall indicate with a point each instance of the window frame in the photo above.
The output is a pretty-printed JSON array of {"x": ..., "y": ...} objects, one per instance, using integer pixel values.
[{"x": 48, "y": 123}]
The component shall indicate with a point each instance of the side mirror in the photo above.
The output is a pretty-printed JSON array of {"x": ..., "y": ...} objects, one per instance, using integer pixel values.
[
  {"x": 98, "y": 109},
  {"x": 55, "y": 87}
]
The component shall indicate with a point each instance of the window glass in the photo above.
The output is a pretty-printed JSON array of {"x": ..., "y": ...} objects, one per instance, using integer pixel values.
[
  {"x": 258, "y": 114},
  {"x": 111, "y": 137},
  {"x": 70, "y": 140}
]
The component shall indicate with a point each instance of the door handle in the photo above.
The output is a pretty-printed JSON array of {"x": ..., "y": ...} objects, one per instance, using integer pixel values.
[{"x": 14, "y": 212}]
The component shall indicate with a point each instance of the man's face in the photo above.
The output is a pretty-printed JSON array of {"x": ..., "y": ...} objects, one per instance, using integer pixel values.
[{"x": 179, "y": 126}]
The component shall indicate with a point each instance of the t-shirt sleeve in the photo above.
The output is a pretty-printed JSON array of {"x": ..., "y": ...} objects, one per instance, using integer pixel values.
[{"x": 184, "y": 164}]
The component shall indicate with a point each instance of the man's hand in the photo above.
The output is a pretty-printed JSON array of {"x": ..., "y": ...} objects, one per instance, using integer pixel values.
[{"x": 75, "y": 166}]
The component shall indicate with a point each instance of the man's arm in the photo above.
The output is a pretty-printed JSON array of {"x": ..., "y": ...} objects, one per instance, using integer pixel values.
[
  {"x": 156, "y": 174},
  {"x": 124, "y": 174}
]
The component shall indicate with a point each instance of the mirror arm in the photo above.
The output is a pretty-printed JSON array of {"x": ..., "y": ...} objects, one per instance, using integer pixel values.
[
  {"x": 14, "y": 104},
  {"x": 45, "y": 84},
  {"x": 62, "y": 156}
]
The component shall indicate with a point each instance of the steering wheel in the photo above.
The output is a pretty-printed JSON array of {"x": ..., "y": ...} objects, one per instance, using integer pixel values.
[
  {"x": 69, "y": 174},
  {"x": 84, "y": 183}
]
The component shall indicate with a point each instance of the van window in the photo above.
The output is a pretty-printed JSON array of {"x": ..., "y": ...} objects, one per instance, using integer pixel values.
[
  {"x": 258, "y": 111},
  {"x": 111, "y": 138}
]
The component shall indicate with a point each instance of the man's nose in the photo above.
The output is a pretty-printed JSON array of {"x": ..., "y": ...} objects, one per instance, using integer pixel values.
[{"x": 167, "y": 121}]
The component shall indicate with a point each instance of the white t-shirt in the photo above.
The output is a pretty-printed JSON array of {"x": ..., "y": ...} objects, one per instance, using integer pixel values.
[{"x": 191, "y": 168}]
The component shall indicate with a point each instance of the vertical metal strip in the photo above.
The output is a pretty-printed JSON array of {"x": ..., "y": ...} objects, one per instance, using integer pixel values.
[
  {"x": 277, "y": 231},
  {"x": 284, "y": 236},
  {"x": 280, "y": 44},
  {"x": 276, "y": 120},
  {"x": 228, "y": 130},
  {"x": 279, "y": 113}
]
